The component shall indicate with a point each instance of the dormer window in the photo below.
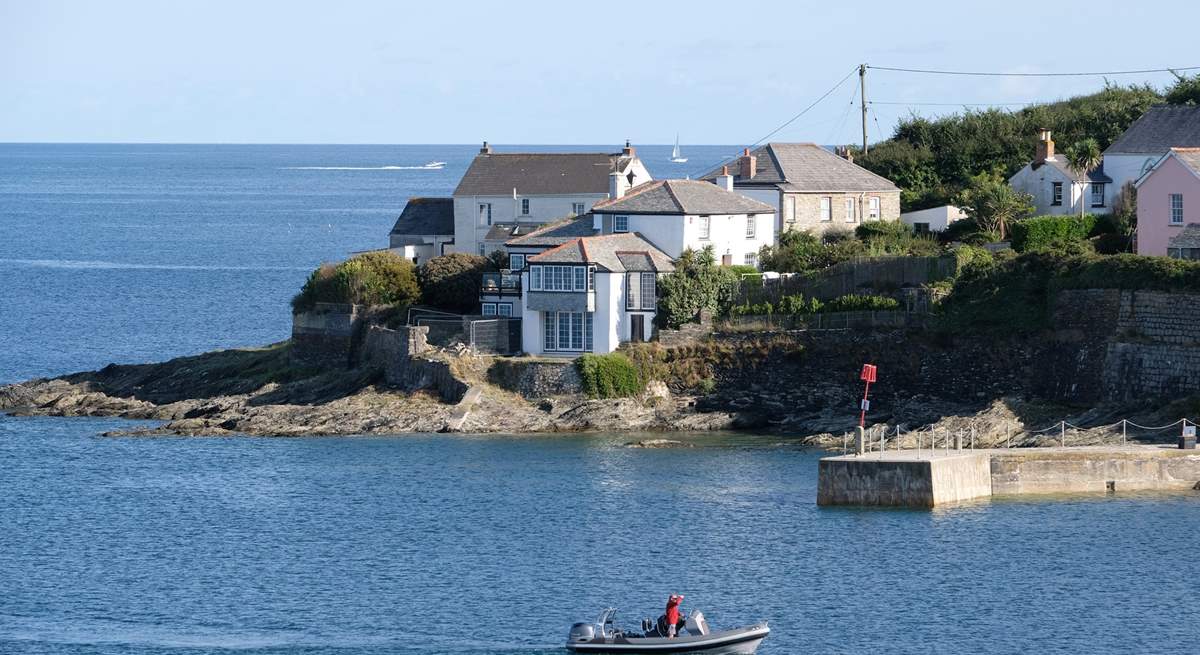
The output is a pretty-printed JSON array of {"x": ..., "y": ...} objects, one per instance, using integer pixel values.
[
  {"x": 620, "y": 223},
  {"x": 524, "y": 206}
]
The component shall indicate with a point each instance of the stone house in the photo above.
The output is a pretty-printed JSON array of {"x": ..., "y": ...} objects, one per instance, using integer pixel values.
[
  {"x": 811, "y": 188},
  {"x": 1168, "y": 208},
  {"x": 1056, "y": 189}
]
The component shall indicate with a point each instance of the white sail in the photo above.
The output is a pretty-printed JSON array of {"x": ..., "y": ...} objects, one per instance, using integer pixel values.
[{"x": 675, "y": 156}]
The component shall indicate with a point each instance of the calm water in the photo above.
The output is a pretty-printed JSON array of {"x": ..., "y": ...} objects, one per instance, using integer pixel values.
[{"x": 436, "y": 544}]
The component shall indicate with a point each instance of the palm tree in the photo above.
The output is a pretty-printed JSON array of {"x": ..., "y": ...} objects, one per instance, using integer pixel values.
[{"x": 1082, "y": 158}]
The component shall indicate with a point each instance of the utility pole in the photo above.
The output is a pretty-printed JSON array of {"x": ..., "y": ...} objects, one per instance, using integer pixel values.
[{"x": 862, "y": 82}]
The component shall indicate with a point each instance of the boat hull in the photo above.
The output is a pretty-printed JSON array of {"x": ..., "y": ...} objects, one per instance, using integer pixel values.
[{"x": 730, "y": 642}]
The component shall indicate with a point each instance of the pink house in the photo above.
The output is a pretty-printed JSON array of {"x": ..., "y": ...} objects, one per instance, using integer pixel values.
[{"x": 1168, "y": 200}]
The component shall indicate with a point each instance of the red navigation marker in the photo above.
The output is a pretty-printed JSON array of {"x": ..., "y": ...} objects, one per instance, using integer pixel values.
[{"x": 869, "y": 374}]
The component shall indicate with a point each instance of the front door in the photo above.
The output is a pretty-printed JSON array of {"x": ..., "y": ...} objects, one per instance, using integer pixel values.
[{"x": 636, "y": 327}]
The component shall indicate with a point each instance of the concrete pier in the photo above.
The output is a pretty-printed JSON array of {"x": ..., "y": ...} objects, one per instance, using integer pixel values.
[{"x": 908, "y": 478}]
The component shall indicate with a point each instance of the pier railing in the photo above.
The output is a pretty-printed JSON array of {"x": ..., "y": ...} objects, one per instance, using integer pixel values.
[{"x": 882, "y": 438}]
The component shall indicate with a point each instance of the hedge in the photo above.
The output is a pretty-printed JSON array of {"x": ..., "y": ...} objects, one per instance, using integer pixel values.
[
  {"x": 609, "y": 376},
  {"x": 452, "y": 282},
  {"x": 861, "y": 303},
  {"x": 373, "y": 278},
  {"x": 1042, "y": 231}
]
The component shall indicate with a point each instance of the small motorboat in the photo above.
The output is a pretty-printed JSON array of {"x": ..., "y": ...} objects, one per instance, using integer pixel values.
[
  {"x": 434, "y": 165},
  {"x": 695, "y": 637}
]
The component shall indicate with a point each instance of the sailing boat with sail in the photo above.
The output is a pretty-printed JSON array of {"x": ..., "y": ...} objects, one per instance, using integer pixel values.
[{"x": 676, "y": 157}]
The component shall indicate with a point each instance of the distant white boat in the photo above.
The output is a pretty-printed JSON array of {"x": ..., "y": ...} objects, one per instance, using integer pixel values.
[
  {"x": 435, "y": 165},
  {"x": 676, "y": 157}
]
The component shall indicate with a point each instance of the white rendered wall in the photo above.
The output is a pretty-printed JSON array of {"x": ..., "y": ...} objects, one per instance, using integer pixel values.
[{"x": 469, "y": 229}]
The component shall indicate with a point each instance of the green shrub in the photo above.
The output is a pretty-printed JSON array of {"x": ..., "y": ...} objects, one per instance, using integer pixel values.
[
  {"x": 1041, "y": 231},
  {"x": 747, "y": 308},
  {"x": 743, "y": 269},
  {"x": 696, "y": 284},
  {"x": 797, "y": 304},
  {"x": 609, "y": 376},
  {"x": 972, "y": 256},
  {"x": 882, "y": 229},
  {"x": 1111, "y": 243},
  {"x": 452, "y": 282},
  {"x": 860, "y": 303},
  {"x": 373, "y": 278}
]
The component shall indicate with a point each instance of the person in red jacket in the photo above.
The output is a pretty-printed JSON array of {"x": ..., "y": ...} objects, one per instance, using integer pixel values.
[{"x": 673, "y": 614}]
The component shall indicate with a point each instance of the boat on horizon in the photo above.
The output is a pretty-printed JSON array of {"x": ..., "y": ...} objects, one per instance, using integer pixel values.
[
  {"x": 435, "y": 165},
  {"x": 676, "y": 156}
]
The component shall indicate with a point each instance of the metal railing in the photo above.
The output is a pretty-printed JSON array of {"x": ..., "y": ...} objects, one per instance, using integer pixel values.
[{"x": 501, "y": 284}]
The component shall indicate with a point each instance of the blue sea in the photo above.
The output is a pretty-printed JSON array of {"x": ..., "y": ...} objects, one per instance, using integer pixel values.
[{"x": 457, "y": 544}]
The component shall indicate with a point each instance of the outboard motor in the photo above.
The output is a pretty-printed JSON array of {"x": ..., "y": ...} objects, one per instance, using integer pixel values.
[
  {"x": 581, "y": 632},
  {"x": 696, "y": 625}
]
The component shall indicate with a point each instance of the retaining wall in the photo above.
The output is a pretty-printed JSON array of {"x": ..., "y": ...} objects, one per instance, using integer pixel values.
[
  {"x": 536, "y": 378},
  {"x": 325, "y": 335},
  {"x": 1045, "y": 471}
]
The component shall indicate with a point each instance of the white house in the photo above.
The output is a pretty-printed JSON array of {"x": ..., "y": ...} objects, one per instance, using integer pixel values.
[
  {"x": 424, "y": 229},
  {"x": 676, "y": 215},
  {"x": 590, "y": 294},
  {"x": 1148, "y": 140},
  {"x": 934, "y": 219},
  {"x": 536, "y": 188},
  {"x": 1056, "y": 189}
]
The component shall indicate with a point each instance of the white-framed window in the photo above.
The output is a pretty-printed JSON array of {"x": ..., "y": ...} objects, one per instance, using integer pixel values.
[
  {"x": 620, "y": 223},
  {"x": 551, "y": 277},
  {"x": 516, "y": 261},
  {"x": 633, "y": 291},
  {"x": 524, "y": 206},
  {"x": 751, "y": 226},
  {"x": 488, "y": 309},
  {"x": 591, "y": 278},
  {"x": 649, "y": 298},
  {"x": 483, "y": 249},
  {"x": 567, "y": 331},
  {"x": 1176, "y": 209},
  {"x": 873, "y": 208},
  {"x": 503, "y": 309},
  {"x": 751, "y": 259},
  {"x": 485, "y": 213},
  {"x": 850, "y": 215},
  {"x": 791, "y": 209},
  {"x": 1097, "y": 194},
  {"x": 826, "y": 208},
  {"x": 705, "y": 227},
  {"x": 577, "y": 208},
  {"x": 1056, "y": 200}
]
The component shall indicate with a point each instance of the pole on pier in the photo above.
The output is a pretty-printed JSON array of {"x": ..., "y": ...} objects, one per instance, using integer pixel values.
[
  {"x": 1007, "y": 434},
  {"x": 860, "y": 441},
  {"x": 1124, "y": 424},
  {"x": 1062, "y": 431}
]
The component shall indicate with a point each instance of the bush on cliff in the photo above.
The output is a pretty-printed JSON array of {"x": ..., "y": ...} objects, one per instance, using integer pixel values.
[
  {"x": 373, "y": 278},
  {"x": 452, "y": 282},
  {"x": 1044, "y": 231},
  {"x": 609, "y": 376},
  {"x": 861, "y": 303}
]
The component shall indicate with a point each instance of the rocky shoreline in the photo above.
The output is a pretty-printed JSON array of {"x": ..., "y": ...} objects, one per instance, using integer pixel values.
[{"x": 260, "y": 392}]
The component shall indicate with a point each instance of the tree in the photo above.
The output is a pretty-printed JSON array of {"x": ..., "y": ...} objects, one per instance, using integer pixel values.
[
  {"x": 696, "y": 284},
  {"x": 1083, "y": 157},
  {"x": 452, "y": 282},
  {"x": 1185, "y": 91},
  {"x": 372, "y": 278},
  {"x": 993, "y": 205}
]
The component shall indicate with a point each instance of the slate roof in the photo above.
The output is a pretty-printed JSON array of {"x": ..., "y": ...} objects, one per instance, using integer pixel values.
[
  {"x": 1060, "y": 164},
  {"x": 627, "y": 251},
  {"x": 1161, "y": 128},
  {"x": 1188, "y": 237},
  {"x": 807, "y": 168},
  {"x": 555, "y": 234},
  {"x": 426, "y": 216},
  {"x": 1189, "y": 157},
  {"x": 506, "y": 231},
  {"x": 542, "y": 173},
  {"x": 681, "y": 197}
]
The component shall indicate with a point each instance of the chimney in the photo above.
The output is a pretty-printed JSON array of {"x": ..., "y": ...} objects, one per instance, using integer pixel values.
[
  {"x": 616, "y": 185},
  {"x": 628, "y": 150},
  {"x": 844, "y": 153},
  {"x": 1045, "y": 147},
  {"x": 747, "y": 165},
  {"x": 725, "y": 180},
  {"x": 486, "y": 149}
]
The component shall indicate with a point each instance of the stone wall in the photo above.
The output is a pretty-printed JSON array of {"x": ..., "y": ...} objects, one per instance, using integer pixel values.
[
  {"x": 325, "y": 336},
  {"x": 536, "y": 378},
  {"x": 403, "y": 356},
  {"x": 688, "y": 333},
  {"x": 903, "y": 482},
  {"x": 1124, "y": 345},
  {"x": 807, "y": 216},
  {"x": 1076, "y": 470}
]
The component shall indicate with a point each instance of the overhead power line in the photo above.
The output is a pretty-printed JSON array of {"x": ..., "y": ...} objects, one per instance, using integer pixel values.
[
  {"x": 993, "y": 74},
  {"x": 789, "y": 121}
]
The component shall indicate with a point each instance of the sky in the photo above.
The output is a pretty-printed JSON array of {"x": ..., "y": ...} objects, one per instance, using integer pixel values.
[{"x": 366, "y": 71}]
